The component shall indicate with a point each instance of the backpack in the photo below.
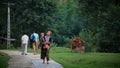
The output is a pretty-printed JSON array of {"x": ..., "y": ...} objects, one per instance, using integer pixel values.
[{"x": 32, "y": 38}]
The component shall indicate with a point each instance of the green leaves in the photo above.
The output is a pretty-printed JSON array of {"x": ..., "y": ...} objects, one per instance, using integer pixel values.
[
  {"x": 97, "y": 22},
  {"x": 28, "y": 16},
  {"x": 100, "y": 18}
]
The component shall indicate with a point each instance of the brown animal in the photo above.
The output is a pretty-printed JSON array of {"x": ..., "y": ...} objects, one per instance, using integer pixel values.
[{"x": 78, "y": 45}]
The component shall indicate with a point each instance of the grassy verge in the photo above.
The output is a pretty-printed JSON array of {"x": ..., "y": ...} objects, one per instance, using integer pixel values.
[
  {"x": 85, "y": 60},
  {"x": 3, "y": 60}
]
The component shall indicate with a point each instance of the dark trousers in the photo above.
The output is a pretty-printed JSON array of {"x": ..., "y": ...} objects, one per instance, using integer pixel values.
[{"x": 44, "y": 53}]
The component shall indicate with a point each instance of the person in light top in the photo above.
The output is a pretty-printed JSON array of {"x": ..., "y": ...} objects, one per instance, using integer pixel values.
[
  {"x": 35, "y": 41},
  {"x": 24, "y": 43}
]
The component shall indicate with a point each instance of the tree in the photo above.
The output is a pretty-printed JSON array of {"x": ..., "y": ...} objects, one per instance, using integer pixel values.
[
  {"x": 28, "y": 16},
  {"x": 102, "y": 17}
]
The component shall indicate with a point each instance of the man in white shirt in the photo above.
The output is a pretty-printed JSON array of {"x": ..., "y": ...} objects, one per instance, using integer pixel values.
[{"x": 24, "y": 44}]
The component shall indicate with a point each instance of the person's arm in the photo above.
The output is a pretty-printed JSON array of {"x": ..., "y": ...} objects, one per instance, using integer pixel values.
[
  {"x": 38, "y": 40},
  {"x": 51, "y": 41},
  {"x": 38, "y": 37},
  {"x": 28, "y": 40},
  {"x": 21, "y": 41}
]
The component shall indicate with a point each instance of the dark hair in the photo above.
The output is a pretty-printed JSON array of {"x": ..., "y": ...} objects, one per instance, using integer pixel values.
[
  {"x": 34, "y": 31},
  {"x": 24, "y": 33}
]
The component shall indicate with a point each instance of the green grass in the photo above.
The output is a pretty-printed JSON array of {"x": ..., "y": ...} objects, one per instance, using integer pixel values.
[
  {"x": 4, "y": 60},
  {"x": 83, "y": 60}
]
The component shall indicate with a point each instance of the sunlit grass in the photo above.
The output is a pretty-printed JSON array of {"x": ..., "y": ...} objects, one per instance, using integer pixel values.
[{"x": 85, "y": 60}]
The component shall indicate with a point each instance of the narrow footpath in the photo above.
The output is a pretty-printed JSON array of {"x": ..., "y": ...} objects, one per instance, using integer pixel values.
[{"x": 28, "y": 61}]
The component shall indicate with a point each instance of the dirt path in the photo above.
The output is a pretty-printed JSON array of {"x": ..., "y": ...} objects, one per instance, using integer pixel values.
[{"x": 28, "y": 61}]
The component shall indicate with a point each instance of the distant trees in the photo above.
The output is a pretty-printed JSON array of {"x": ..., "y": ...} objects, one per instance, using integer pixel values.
[
  {"x": 95, "y": 21},
  {"x": 102, "y": 24},
  {"x": 67, "y": 22},
  {"x": 27, "y": 16}
]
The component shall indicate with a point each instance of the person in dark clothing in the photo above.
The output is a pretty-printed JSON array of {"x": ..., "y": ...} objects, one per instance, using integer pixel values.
[
  {"x": 46, "y": 42},
  {"x": 42, "y": 40}
]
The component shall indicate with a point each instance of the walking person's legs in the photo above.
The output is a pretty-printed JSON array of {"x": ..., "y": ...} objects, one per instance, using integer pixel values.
[
  {"x": 34, "y": 48},
  {"x": 47, "y": 56},
  {"x": 22, "y": 49},
  {"x": 26, "y": 49},
  {"x": 43, "y": 56},
  {"x": 42, "y": 52},
  {"x": 43, "y": 59}
]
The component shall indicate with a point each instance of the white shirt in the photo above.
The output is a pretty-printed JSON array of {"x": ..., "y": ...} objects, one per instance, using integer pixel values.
[{"x": 25, "y": 39}]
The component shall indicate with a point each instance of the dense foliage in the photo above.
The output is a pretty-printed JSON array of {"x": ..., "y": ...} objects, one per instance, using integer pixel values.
[
  {"x": 27, "y": 16},
  {"x": 102, "y": 23},
  {"x": 95, "y": 21}
]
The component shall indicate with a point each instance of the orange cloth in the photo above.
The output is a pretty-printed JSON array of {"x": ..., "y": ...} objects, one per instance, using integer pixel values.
[{"x": 47, "y": 46}]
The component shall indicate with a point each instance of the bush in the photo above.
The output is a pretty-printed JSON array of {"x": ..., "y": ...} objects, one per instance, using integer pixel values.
[
  {"x": 91, "y": 40},
  {"x": 3, "y": 46},
  {"x": 67, "y": 41}
]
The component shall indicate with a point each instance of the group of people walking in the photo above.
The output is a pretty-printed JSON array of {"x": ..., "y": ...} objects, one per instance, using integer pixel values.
[{"x": 44, "y": 40}]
